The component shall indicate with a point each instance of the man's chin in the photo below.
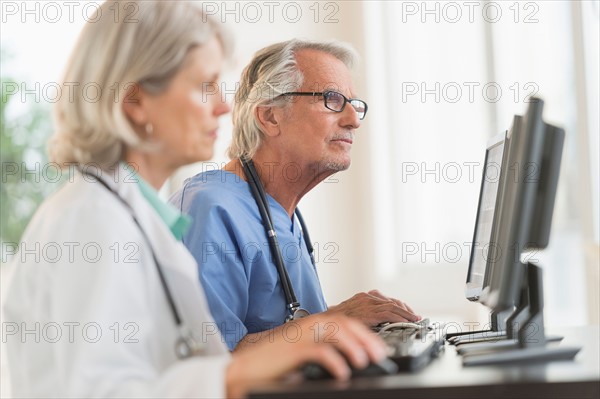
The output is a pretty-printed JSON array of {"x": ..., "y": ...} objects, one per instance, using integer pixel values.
[{"x": 337, "y": 166}]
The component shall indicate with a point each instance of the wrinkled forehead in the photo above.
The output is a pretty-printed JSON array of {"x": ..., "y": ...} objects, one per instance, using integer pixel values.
[{"x": 323, "y": 71}]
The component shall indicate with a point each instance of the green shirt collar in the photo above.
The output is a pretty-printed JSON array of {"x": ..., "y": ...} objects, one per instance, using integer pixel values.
[{"x": 175, "y": 220}]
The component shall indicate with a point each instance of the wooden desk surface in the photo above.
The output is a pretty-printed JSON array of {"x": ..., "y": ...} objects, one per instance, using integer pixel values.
[{"x": 445, "y": 377}]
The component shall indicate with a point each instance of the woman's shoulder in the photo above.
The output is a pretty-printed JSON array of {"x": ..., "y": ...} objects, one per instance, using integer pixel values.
[{"x": 79, "y": 208}]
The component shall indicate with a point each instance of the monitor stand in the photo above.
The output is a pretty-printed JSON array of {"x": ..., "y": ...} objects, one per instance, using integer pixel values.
[
  {"x": 510, "y": 338},
  {"x": 497, "y": 329},
  {"x": 499, "y": 333},
  {"x": 527, "y": 338}
]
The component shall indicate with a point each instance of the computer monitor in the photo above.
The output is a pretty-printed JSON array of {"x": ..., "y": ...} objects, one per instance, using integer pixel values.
[
  {"x": 528, "y": 186},
  {"x": 485, "y": 220},
  {"x": 481, "y": 257},
  {"x": 523, "y": 216}
]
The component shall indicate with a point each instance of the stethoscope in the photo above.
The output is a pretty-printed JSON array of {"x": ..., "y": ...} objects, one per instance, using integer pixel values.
[
  {"x": 258, "y": 192},
  {"x": 185, "y": 345}
]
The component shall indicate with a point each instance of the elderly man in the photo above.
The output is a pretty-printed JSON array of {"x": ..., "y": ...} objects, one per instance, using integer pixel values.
[{"x": 295, "y": 110}]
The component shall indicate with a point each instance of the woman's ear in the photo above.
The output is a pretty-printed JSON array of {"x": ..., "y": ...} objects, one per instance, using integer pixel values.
[
  {"x": 268, "y": 119},
  {"x": 134, "y": 105}
]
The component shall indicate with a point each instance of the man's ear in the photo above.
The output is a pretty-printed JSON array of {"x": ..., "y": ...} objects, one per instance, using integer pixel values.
[
  {"x": 268, "y": 119},
  {"x": 134, "y": 104}
]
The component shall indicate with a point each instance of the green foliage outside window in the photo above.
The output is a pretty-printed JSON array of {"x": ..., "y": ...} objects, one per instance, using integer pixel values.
[{"x": 26, "y": 179}]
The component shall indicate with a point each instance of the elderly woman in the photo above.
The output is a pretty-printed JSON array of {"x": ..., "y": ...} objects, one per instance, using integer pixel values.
[{"x": 110, "y": 305}]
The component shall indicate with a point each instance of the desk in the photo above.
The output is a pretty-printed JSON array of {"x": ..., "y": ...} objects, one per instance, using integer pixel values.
[{"x": 445, "y": 377}]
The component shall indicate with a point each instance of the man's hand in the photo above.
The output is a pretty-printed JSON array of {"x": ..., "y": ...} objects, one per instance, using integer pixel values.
[{"x": 374, "y": 308}]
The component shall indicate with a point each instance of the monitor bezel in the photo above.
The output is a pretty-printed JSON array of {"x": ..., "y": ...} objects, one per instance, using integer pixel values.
[{"x": 473, "y": 290}]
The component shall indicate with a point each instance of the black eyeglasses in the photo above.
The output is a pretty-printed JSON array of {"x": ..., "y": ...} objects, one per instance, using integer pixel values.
[{"x": 335, "y": 101}]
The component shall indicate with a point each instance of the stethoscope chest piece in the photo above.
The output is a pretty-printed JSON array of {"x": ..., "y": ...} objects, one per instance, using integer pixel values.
[
  {"x": 297, "y": 314},
  {"x": 186, "y": 346}
]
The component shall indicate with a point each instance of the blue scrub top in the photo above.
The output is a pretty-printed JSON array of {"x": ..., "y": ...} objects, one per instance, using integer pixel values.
[{"x": 229, "y": 242}]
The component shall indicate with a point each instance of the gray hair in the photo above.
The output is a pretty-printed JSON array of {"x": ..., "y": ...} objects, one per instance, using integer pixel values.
[
  {"x": 272, "y": 71},
  {"x": 145, "y": 43}
]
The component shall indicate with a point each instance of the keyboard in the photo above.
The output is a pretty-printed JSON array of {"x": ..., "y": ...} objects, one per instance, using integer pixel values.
[{"x": 412, "y": 347}]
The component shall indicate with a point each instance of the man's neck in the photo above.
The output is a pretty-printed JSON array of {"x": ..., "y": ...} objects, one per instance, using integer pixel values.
[{"x": 287, "y": 182}]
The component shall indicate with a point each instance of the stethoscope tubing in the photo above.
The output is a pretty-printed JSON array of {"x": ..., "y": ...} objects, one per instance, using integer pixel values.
[
  {"x": 185, "y": 345},
  {"x": 257, "y": 190}
]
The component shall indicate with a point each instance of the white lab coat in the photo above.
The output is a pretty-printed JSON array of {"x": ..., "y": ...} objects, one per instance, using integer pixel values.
[{"x": 86, "y": 315}]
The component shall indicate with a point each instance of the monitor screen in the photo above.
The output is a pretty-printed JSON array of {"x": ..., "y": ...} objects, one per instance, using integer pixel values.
[
  {"x": 484, "y": 222},
  {"x": 528, "y": 188}
]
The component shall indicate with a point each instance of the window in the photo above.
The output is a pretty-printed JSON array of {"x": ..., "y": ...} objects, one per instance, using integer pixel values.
[{"x": 455, "y": 74}]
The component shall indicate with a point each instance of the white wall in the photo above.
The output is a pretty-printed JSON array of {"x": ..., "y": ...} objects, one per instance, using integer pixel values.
[
  {"x": 345, "y": 212},
  {"x": 336, "y": 211},
  {"x": 366, "y": 218}
]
